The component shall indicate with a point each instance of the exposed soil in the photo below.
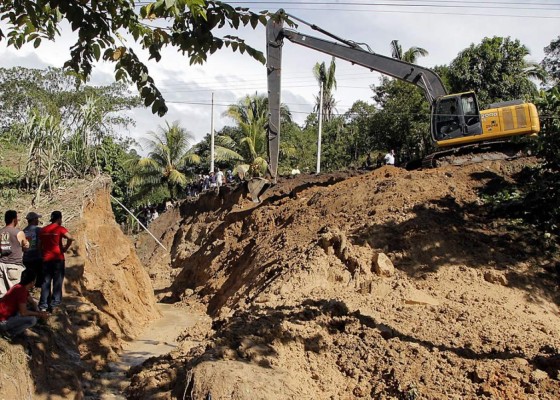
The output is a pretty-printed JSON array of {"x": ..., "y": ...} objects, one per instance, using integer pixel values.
[
  {"x": 108, "y": 298},
  {"x": 306, "y": 303}
]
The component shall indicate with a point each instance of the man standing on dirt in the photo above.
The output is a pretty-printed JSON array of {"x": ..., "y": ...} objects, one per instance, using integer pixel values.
[
  {"x": 12, "y": 244},
  {"x": 32, "y": 259},
  {"x": 219, "y": 178},
  {"x": 53, "y": 261},
  {"x": 15, "y": 316},
  {"x": 390, "y": 158}
]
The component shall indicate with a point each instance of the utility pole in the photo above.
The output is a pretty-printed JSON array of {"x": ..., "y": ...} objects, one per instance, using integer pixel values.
[
  {"x": 212, "y": 136},
  {"x": 320, "y": 129}
]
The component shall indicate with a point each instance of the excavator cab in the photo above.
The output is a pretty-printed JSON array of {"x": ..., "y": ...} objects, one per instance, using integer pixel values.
[{"x": 455, "y": 116}]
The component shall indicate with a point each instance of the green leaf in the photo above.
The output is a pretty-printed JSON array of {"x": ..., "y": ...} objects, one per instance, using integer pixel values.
[
  {"x": 37, "y": 42},
  {"x": 96, "y": 51}
]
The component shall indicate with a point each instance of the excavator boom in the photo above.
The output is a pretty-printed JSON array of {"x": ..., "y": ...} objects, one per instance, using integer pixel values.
[
  {"x": 422, "y": 77},
  {"x": 457, "y": 124}
]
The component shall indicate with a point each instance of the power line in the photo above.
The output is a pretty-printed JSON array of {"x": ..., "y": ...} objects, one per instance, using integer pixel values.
[
  {"x": 262, "y": 81},
  {"x": 450, "y": 4},
  {"x": 435, "y": 4}
]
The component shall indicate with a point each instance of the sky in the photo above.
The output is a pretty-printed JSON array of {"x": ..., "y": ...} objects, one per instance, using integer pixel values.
[{"x": 443, "y": 27}]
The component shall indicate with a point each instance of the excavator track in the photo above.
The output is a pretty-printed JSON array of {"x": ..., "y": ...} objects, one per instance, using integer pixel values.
[{"x": 475, "y": 153}]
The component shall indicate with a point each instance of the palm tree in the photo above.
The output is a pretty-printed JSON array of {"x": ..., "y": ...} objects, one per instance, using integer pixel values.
[
  {"x": 325, "y": 76},
  {"x": 410, "y": 56},
  {"x": 251, "y": 115},
  {"x": 170, "y": 153}
]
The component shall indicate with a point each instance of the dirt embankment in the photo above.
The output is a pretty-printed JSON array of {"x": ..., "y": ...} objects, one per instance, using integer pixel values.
[
  {"x": 108, "y": 298},
  {"x": 306, "y": 305}
]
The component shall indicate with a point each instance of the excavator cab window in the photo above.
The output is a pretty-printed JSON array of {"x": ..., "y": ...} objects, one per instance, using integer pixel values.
[
  {"x": 472, "y": 114},
  {"x": 456, "y": 116},
  {"x": 447, "y": 121}
]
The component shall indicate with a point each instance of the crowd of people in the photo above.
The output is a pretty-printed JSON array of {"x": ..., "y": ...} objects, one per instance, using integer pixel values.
[
  {"x": 210, "y": 181},
  {"x": 32, "y": 258}
]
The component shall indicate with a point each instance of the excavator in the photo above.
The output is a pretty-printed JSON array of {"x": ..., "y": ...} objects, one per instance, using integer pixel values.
[{"x": 458, "y": 127}]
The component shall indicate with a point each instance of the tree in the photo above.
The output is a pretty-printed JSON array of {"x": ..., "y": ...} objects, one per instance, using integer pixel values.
[
  {"x": 410, "y": 56},
  {"x": 81, "y": 116},
  {"x": 495, "y": 69},
  {"x": 44, "y": 137},
  {"x": 251, "y": 115},
  {"x": 546, "y": 182},
  {"x": 225, "y": 154},
  {"x": 551, "y": 61},
  {"x": 359, "y": 122},
  {"x": 403, "y": 121},
  {"x": 326, "y": 77},
  {"x": 164, "y": 167},
  {"x": 298, "y": 147},
  {"x": 99, "y": 26}
]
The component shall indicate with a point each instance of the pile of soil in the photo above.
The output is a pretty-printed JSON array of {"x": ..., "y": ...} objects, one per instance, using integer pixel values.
[
  {"x": 389, "y": 284},
  {"x": 108, "y": 298}
]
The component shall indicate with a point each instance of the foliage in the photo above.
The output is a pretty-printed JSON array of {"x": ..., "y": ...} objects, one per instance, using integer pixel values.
[
  {"x": 99, "y": 26},
  {"x": 55, "y": 92},
  {"x": 44, "y": 137},
  {"x": 8, "y": 177},
  {"x": 362, "y": 138},
  {"x": 116, "y": 159},
  {"x": 225, "y": 154},
  {"x": 60, "y": 121},
  {"x": 298, "y": 147},
  {"x": 334, "y": 154},
  {"x": 546, "y": 188},
  {"x": 411, "y": 55},
  {"x": 326, "y": 77},
  {"x": 551, "y": 61},
  {"x": 164, "y": 168},
  {"x": 251, "y": 116},
  {"x": 403, "y": 121},
  {"x": 496, "y": 70}
]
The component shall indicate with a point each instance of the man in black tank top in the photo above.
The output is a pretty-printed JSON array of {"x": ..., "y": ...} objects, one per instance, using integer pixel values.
[{"x": 12, "y": 245}]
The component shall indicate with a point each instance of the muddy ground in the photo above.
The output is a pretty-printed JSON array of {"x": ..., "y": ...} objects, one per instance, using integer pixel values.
[{"x": 387, "y": 284}]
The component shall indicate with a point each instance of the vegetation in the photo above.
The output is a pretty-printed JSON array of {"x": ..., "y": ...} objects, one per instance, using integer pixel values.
[
  {"x": 411, "y": 55},
  {"x": 327, "y": 81},
  {"x": 99, "y": 25},
  {"x": 163, "y": 171},
  {"x": 496, "y": 69},
  {"x": 61, "y": 123},
  {"x": 551, "y": 61},
  {"x": 251, "y": 117}
]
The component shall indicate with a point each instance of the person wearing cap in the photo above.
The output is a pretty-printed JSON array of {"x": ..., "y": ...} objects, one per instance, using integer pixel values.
[
  {"x": 53, "y": 249},
  {"x": 32, "y": 259},
  {"x": 12, "y": 245}
]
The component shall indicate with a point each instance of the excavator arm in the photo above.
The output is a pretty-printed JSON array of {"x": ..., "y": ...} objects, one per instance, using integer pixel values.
[{"x": 422, "y": 77}]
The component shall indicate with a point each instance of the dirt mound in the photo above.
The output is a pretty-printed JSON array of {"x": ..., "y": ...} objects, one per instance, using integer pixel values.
[
  {"x": 108, "y": 298},
  {"x": 390, "y": 284}
]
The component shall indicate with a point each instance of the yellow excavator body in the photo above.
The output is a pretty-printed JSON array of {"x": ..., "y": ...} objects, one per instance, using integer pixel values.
[{"x": 501, "y": 123}]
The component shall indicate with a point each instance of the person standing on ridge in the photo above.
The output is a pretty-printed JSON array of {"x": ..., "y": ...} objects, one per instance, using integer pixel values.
[
  {"x": 390, "y": 158},
  {"x": 12, "y": 245},
  {"x": 219, "y": 178},
  {"x": 32, "y": 259},
  {"x": 51, "y": 237}
]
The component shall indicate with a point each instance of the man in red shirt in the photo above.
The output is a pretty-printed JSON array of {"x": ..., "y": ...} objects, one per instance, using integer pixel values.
[
  {"x": 53, "y": 261},
  {"x": 15, "y": 317}
]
